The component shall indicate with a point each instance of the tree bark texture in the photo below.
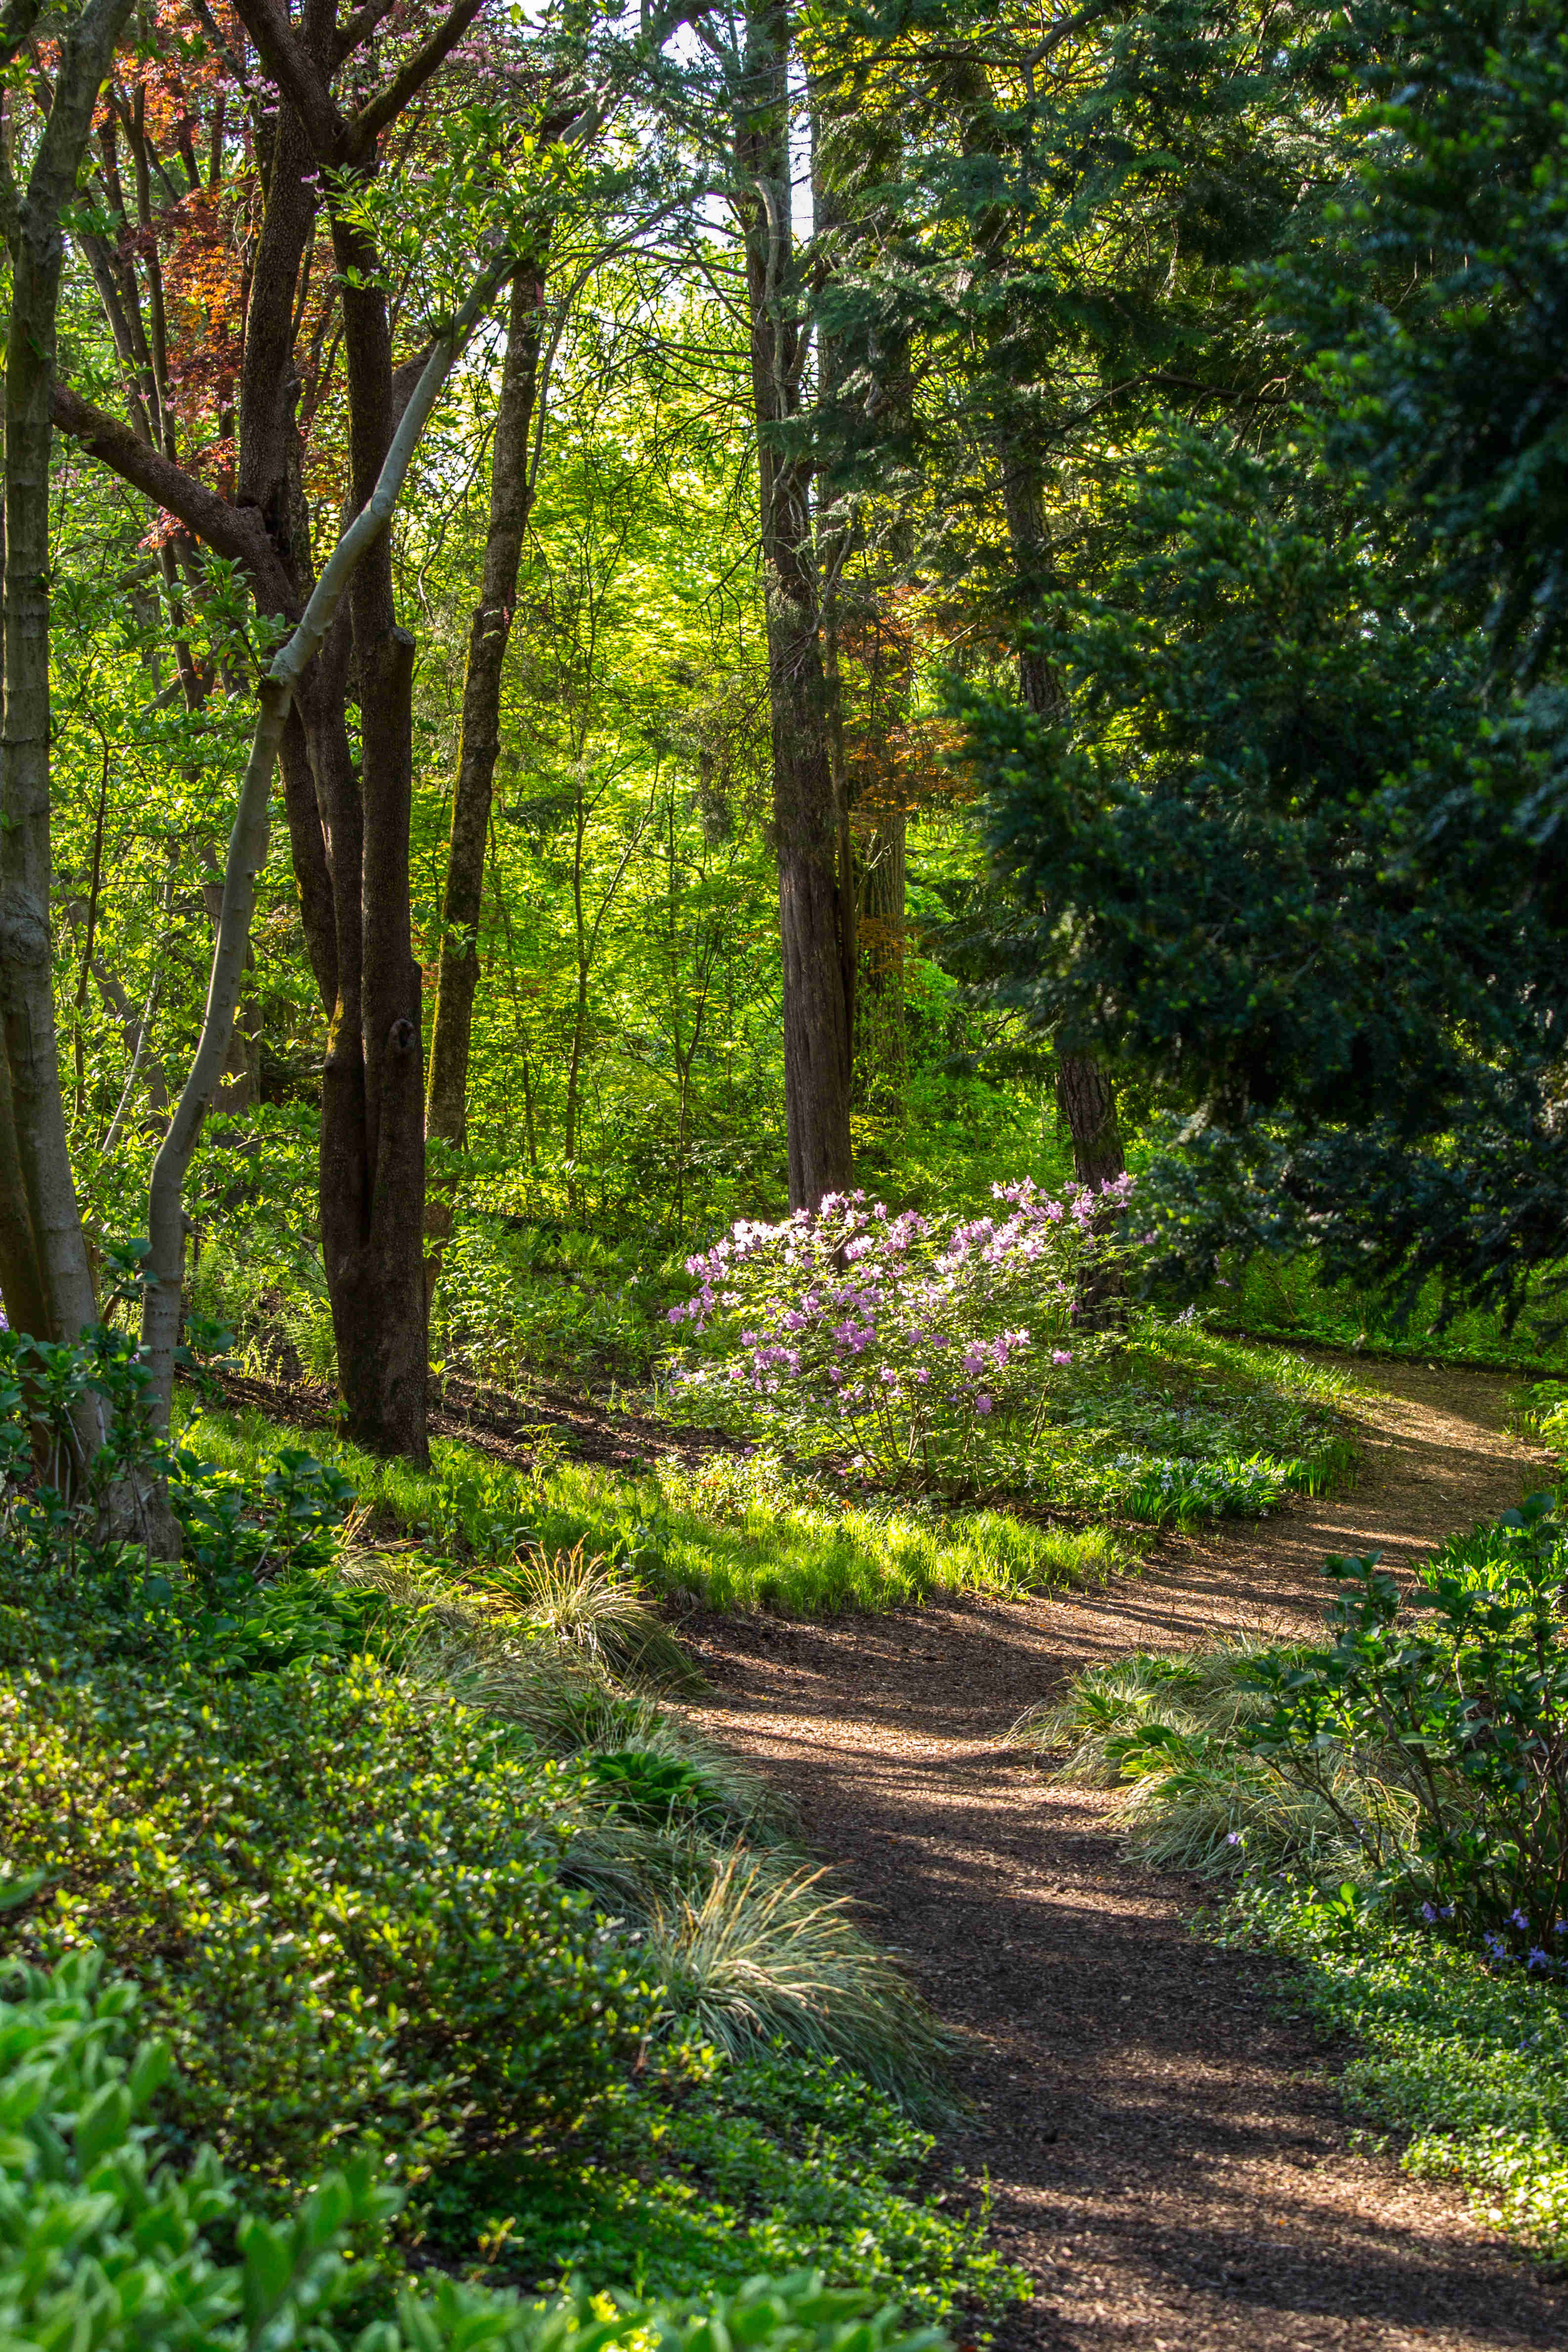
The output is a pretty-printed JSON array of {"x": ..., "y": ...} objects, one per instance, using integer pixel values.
[
  {"x": 814, "y": 912},
  {"x": 490, "y": 632},
  {"x": 387, "y": 1375},
  {"x": 44, "y": 1265}
]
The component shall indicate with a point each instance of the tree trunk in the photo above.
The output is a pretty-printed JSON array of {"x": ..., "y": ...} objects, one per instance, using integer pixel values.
[
  {"x": 447, "y": 1095},
  {"x": 881, "y": 1049},
  {"x": 44, "y": 1262},
  {"x": 814, "y": 911},
  {"x": 385, "y": 1372},
  {"x": 372, "y": 1126},
  {"x": 1084, "y": 1091}
]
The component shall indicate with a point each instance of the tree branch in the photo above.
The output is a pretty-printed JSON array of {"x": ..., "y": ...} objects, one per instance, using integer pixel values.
[
  {"x": 359, "y": 27},
  {"x": 388, "y": 103},
  {"x": 289, "y": 66},
  {"x": 237, "y": 532}
]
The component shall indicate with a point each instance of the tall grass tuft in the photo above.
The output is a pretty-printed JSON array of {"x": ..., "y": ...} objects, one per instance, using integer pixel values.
[
  {"x": 1163, "y": 1731},
  {"x": 584, "y": 1603},
  {"x": 757, "y": 1954}
]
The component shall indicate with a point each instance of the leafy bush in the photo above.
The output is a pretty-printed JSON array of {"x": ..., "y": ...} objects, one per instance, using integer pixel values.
[
  {"x": 899, "y": 1334},
  {"x": 343, "y": 1897},
  {"x": 103, "y": 2243},
  {"x": 1423, "y": 1754},
  {"x": 712, "y": 2170},
  {"x": 1466, "y": 1710}
]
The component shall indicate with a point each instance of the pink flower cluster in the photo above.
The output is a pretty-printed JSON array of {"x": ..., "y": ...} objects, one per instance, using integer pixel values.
[{"x": 904, "y": 1329}]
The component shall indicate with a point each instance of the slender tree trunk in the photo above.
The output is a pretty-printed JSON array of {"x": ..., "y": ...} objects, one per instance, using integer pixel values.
[
  {"x": 815, "y": 914},
  {"x": 447, "y": 1095},
  {"x": 881, "y": 1050},
  {"x": 1084, "y": 1091},
  {"x": 44, "y": 1262}
]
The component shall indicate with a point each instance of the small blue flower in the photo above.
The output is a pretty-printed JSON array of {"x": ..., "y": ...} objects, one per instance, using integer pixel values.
[
  {"x": 1518, "y": 1920},
  {"x": 1494, "y": 1945},
  {"x": 1538, "y": 1958},
  {"x": 1428, "y": 1914}
]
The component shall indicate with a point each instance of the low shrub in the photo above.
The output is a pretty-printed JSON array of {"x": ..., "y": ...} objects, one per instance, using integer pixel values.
[
  {"x": 1422, "y": 1753},
  {"x": 392, "y": 1859},
  {"x": 943, "y": 1355},
  {"x": 906, "y": 1339},
  {"x": 342, "y": 1899},
  {"x": 708, "y": 2170},
  {"x": 104, "y": 2241}
]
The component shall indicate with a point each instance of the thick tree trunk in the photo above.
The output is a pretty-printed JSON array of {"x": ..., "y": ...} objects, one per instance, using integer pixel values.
[
  {"x": 815, "y": 910},
  {"x": 382, "y": 1369},
  {"x": 447, "y": 1095},
  {"x": 372, "y": 1126}
]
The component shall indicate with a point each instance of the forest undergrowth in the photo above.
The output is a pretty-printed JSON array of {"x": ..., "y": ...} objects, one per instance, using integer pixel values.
[{"x": 427, "y": 1878}]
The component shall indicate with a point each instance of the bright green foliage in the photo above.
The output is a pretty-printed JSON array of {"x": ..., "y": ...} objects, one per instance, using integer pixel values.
[
  {"x": 1468, "y": 2069},
  {"x": 102, "y": 2244},
  {"x": 739, "y": 1531},
  {"x": 774, "y": 2162},
  {"x": 412, "y": 1884},
  {"x": 342, "y": 1898}
]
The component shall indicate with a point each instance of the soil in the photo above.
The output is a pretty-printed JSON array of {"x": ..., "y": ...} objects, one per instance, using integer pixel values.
[
  {"x": 496, "y": 1421},
  {"x": 1165, "y": 2148}
]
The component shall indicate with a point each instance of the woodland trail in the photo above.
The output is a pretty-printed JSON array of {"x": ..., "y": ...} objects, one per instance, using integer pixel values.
[{"x": 1167, "y": 2155}]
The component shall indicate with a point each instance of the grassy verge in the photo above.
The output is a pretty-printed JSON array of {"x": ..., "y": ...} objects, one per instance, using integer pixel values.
[
  {"x": 739, "y": 1533},
  {"x": 1466, "y": 2072}
]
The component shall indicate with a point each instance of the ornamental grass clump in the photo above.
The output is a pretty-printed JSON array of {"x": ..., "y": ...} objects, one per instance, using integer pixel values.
[{"x": 910, "y": 1337}]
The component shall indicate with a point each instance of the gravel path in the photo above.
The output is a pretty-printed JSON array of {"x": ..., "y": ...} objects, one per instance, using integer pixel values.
[{"x": 1165, "y": 2151}]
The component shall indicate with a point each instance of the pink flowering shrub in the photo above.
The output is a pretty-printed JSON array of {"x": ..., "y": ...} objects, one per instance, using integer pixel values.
[{"x": 903, "y": 1337}]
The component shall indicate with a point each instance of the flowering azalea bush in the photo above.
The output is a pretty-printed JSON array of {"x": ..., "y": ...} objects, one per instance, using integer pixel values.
[{"x": 906, "y": 1336}]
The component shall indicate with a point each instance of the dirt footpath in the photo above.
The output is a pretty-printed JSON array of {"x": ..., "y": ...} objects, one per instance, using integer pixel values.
[{"x": 1166, "y": 2154}]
